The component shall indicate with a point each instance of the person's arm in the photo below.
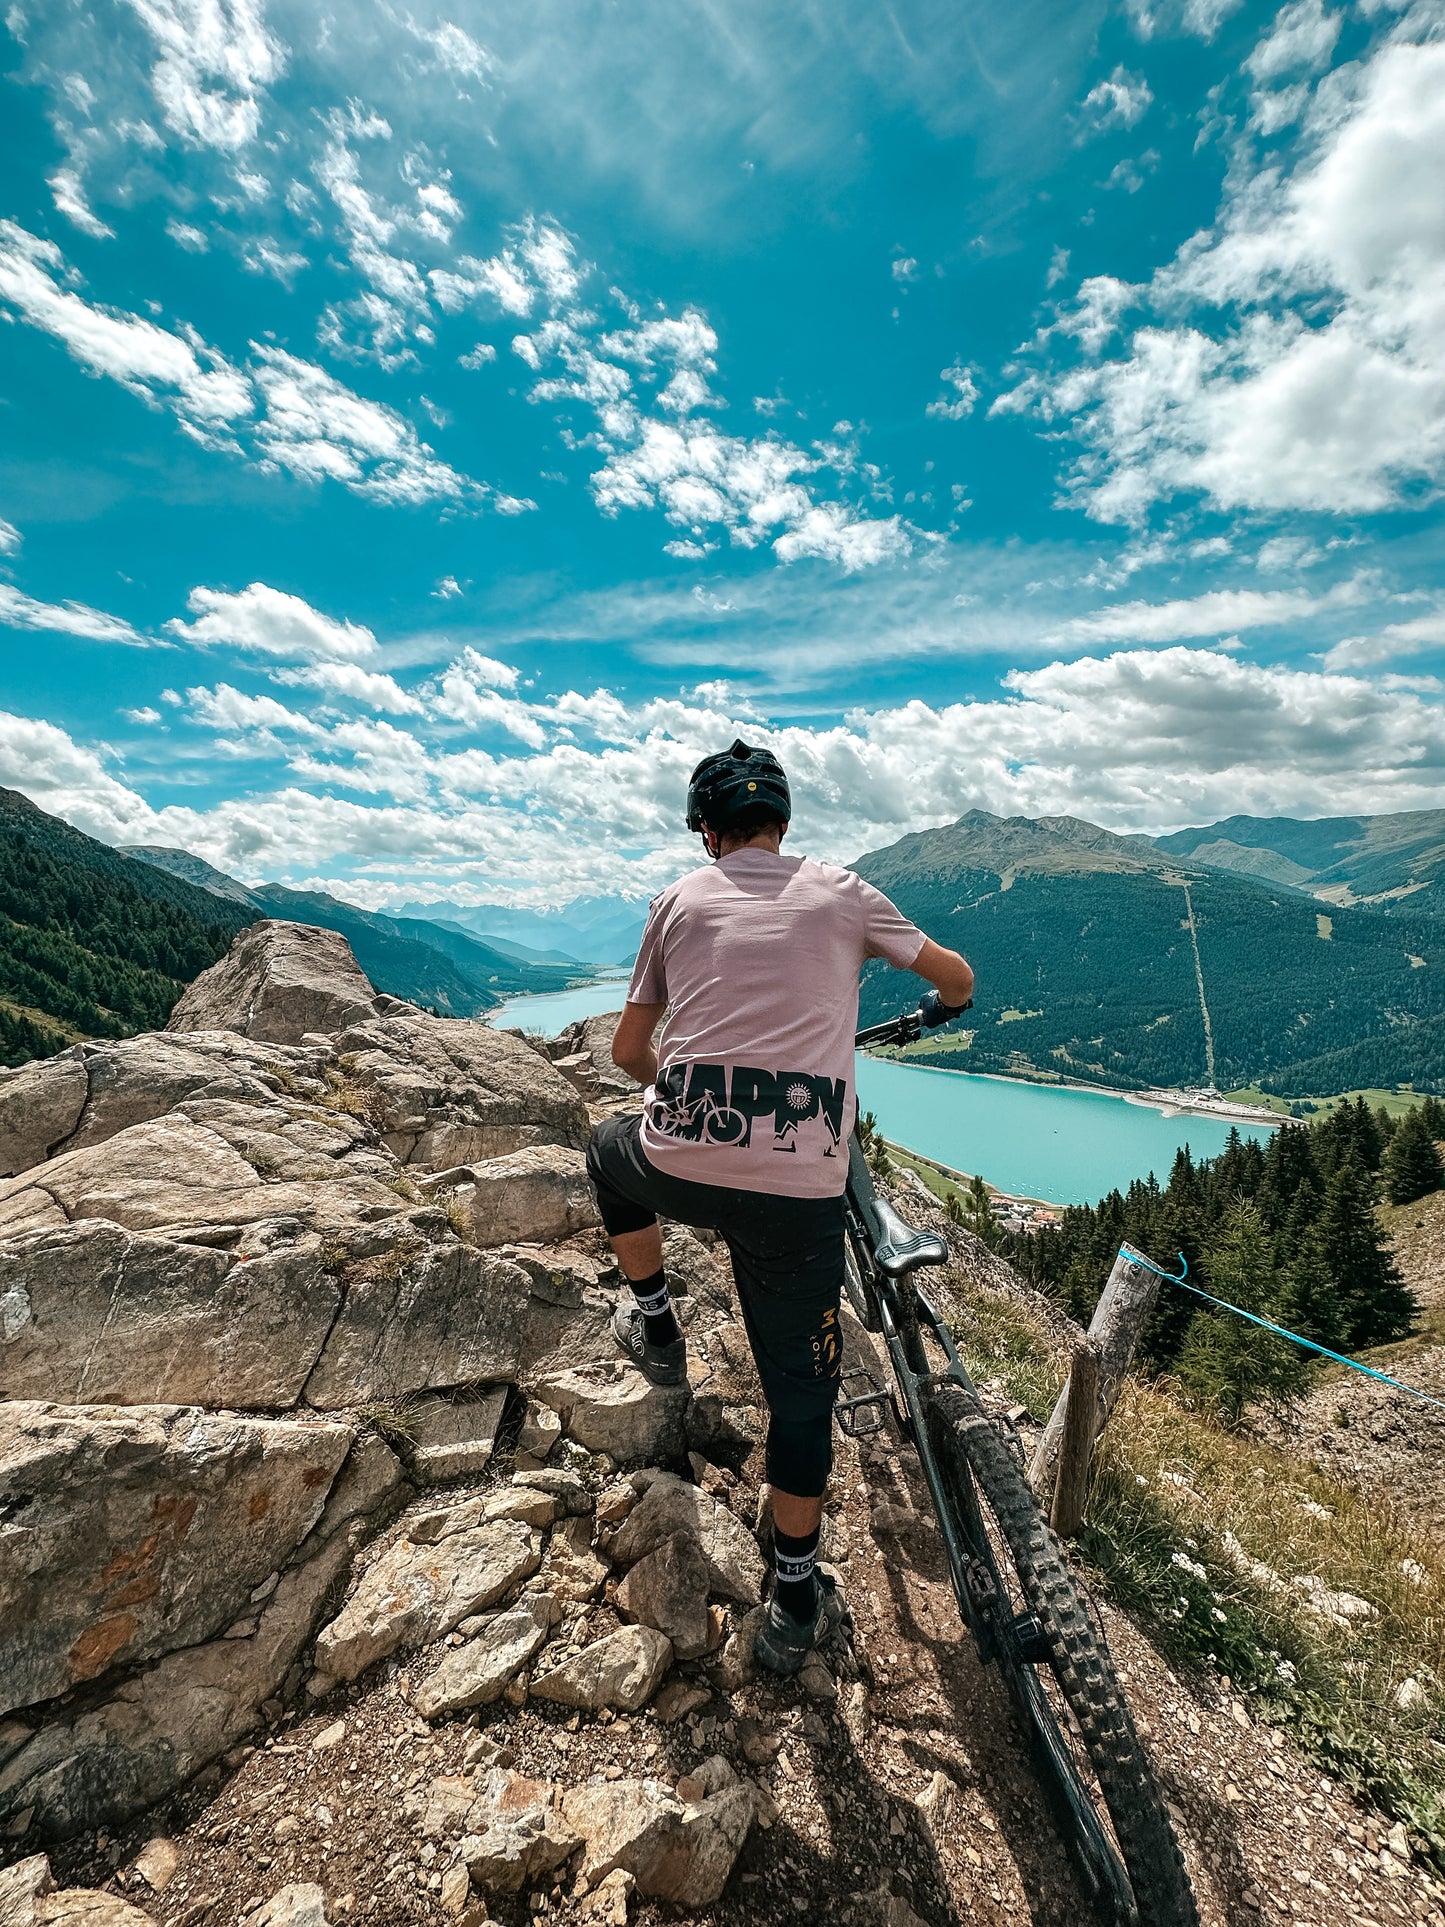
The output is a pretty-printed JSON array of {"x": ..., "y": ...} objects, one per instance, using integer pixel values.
[
  {"x": 632, "y": 1041},
  {"x": 949, "y": 973}
]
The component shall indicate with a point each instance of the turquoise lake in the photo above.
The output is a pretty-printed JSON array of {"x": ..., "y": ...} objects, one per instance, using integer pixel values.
[{"x": 1063, "y": 1145}]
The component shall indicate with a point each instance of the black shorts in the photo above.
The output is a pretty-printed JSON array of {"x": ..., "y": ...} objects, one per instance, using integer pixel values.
[{"x": 787, "y": 1258}]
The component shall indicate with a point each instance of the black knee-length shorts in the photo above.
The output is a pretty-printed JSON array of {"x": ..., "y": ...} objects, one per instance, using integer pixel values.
[{"x": 787, "y": 1258}]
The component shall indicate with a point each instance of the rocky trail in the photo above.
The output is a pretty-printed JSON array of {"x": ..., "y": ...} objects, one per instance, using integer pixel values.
[{"x": 345, "y": 1575}]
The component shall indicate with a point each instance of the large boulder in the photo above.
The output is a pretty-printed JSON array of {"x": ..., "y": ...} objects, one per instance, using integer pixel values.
[
  {"x": 610, "y": 1407},
  {"x": 677, "y": 1849},
  {"x": 40, "y": 1105},
  {"x": 624, "y": 1670},
  {"x": 175, "y": 1173},
  {"x": 128, "y": 1532},
  {"x": 94, "y": 1314},
  {"x": 429, "y": 1316},
  {"x": 104, "y": 1759},
  {"x": 278, "y": 981},
  {"x": 446, "y": 1091},
  {"x": 734, "y": 1565},
  {"x": 415, "y": 1593},
  {"x": 537, "y": 1196}
]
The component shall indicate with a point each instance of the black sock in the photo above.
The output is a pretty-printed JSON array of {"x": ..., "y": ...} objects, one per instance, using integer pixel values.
[
  {"x": 659, "y": 1321},
  {"x": 794, "y": 1560}
]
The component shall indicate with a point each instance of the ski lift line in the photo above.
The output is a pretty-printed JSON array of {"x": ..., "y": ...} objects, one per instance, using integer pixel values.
[
  {"x": 1199, "y": 979},
  {"x": 1180, "y": 1278}
]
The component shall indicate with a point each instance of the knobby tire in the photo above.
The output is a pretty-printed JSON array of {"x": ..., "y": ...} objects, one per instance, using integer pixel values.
[{"x": 971, "y": 1451}]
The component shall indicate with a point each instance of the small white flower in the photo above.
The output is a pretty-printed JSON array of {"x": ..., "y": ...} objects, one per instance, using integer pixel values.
[{"x": 1186, "y": 1564}]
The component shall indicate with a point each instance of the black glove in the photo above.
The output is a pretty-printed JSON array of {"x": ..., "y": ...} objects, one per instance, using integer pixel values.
[{"x": 933, "y": 1011}]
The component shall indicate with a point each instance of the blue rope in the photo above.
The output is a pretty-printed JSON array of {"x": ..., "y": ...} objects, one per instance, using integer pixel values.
[{"x": 1179, "y": 1278}]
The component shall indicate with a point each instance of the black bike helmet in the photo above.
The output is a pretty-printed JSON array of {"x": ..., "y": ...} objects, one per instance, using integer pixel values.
[{"x": 739, "y": 789}]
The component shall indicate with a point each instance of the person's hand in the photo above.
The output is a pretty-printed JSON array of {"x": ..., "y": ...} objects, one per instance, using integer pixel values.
[{"x": 933, "y": 1011}]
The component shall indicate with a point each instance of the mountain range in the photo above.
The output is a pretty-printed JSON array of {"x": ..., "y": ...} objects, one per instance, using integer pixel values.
[
  {"x": 100, "y": 942},
  {"x": 1098, "y": 955}
]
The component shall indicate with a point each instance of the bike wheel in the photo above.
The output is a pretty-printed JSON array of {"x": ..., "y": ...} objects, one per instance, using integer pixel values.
[{"x": 1079, "y": 1710}]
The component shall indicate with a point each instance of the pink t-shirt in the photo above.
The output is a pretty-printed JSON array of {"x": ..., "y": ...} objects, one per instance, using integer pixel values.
[{"x": 757, "y": 957}]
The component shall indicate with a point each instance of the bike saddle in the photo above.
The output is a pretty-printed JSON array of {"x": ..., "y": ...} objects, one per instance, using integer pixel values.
[{"x": 901, "y": 1248}]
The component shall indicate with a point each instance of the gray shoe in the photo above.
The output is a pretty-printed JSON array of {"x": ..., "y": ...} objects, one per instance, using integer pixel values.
[
  {"x": 659, "y": 1364},
  {"x": 783, "y": 1643}
]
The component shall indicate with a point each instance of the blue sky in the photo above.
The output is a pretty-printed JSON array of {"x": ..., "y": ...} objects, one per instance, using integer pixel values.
[{"x": 423, "y": 433}]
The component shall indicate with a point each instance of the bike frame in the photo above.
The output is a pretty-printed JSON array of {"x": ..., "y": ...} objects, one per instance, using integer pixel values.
[{"x": 901, "y": 1313}]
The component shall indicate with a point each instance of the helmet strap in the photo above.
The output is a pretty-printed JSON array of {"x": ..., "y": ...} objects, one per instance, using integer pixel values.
[{"x": 712, "y": 842}]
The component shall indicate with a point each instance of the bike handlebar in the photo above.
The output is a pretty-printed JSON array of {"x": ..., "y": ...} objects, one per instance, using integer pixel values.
[{"x": 906, "y": 1028}]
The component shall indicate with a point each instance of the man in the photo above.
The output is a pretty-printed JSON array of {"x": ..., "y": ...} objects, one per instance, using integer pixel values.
[{"x": 748, "y": 1108}]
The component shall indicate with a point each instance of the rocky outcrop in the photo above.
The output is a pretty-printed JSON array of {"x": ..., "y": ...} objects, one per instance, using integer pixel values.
[
  {"x": 234, "y": 1259},
  {"x": 445, "y": 1092},
  {"x": 125, "y": 1533},
  {"x": 278, "y": 981}
]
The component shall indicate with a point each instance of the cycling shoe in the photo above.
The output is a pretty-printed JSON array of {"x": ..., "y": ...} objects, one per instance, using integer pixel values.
[
  {"x": 783, "y": 1643},
  {"x": 659, "y": 1364}
]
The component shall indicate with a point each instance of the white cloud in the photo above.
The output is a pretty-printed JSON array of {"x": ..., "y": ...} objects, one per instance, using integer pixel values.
[
  {"x": 1120, "y": 101},
  {"x": 146, "y": 715},
  {"x": 215, "y": 60},
  {"x": 207, "y": 395},
  {"x": 1214, "y": 613},
  {"x": 192, "y": 239},
  {"x": 588, "y": 796},
  {"x": 1303, "y": 36},
  {"x": 266, "y": 257},
  {"x": 369, "y": 686},
  {"x": 10, "y": 538},
  {"x": 905, "y": 269},
  {"x": 1395, "y": 640},
  {"x": 69, "y": 192},
  {"x": 19, "y": 611},
  {"x": 446, "y": 588},
  {"x": 454, "y": 49},
  {"x": 1321, "y": 383},
  {"x": 964, "y": 399},
  {"x": 269, "y": 622}
]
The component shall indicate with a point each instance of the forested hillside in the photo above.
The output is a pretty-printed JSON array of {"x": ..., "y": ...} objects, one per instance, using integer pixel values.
[
  {"x": 1086, "y": 964},
  {"x": 92, "y": 943}
]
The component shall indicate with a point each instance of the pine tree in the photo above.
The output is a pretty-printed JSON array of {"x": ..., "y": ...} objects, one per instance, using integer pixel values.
[
  {"x": 1413, "y": 1167},
  {"x": 1377, "y": 1305},
  {"x": 1225, "y": 1362},
  {"x": 1433, "y": 1112},
  {"x": 1311, "y": 1304}
]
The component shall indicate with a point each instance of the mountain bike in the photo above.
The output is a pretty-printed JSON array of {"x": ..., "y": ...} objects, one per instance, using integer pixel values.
[{"x": 1026, "y": 1609}]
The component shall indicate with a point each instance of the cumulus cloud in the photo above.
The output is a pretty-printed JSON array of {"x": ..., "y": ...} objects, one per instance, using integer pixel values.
[
  {"x": 1303, "y": 36},
  {"x": 1120, "y": 101},
  {"x": 369, "y": 686},
  {"x": 66, "y": 618},
  {"x": 1390, "y": 644},
  {"x": 10, "y": 537},
  {"x": 215, "y": 59},
  {"x": 268, "y": 622},
  {"x": 69, "y": 193},
  {"x": 555, "y": 796},
  {"x": 963, "y": 400},
  {"x": 1294, "y": 357}
]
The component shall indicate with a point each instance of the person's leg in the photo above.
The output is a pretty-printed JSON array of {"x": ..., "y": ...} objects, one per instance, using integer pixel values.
[
  {"x": 630, "y": 1194},
  {"x": 788, "y": 1262}
]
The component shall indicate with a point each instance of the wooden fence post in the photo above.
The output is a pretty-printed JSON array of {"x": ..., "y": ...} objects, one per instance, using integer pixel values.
[
  {"x": 1114, "y": 1330},
  {"x": 1076, "y": 1445}
]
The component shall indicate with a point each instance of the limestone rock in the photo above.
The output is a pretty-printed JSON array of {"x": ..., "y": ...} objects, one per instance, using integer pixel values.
[
  {"x": 668, "y": 1589},
  {"x": 174, "y": 1173},
  {"x": 40, "y": 1105},
  {"x": 536, "y": 1196},
  {"x": 678, "y": 1850},
  {"x": 435, "y": 1315},
  {"x": 455, "y": 1437},
  {"x": 610, "y": 1407},
  {"x": 413, "y": 1594},
  {"x": 570, "y": 1492},
  {"x": 622, "y": 1670},
  {"x": 91, "y": 1313},
  {"x": 447, "y": 1091},
  {"x": 572, "y": 1569},
  {"x": 515, "y": 1834},
  {"x": 157, "y": 1862},
  {"x": 22, "y": 1888},
  {"x": 474, "y": 1674},
  {"x": 140, "y": 1078},
  {"x": 126, "y": 1532},
  {"x": 300, "y": 1905},
  {"x": 735, "y": 1567},
  {"x": 102, "y": 1762},
  {"x": 86, "y": 1907},
  {"x": 278, "y": 981},
  {"x": 541, "y": 1429}
]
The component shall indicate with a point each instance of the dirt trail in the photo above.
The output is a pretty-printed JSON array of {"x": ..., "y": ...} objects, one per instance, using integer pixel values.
[{"x": 908, "y": 1798}]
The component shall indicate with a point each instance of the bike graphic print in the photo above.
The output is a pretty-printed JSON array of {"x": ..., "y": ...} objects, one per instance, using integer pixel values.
[{"x": 722, "y": 1104}]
